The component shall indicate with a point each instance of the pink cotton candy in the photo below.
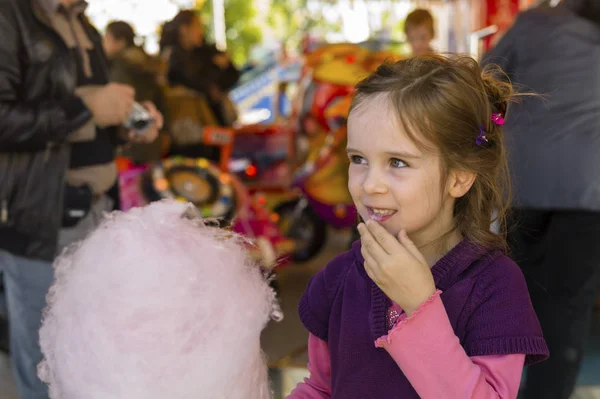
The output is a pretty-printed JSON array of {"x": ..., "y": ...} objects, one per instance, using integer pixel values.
[{"x": 154, "y": 304}]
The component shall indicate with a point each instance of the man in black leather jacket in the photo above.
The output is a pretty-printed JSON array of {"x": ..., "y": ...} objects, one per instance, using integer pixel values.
[{"x": 39, "y": 114}]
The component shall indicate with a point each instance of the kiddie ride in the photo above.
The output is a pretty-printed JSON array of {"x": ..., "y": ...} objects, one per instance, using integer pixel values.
[
  {"x": 321, "y": 110},
  {"x": 216, "y": 194},
  {"x": 283, "y": 185}
]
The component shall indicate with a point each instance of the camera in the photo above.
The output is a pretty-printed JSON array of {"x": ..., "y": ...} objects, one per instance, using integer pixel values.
[{"x": 139, "y": 119}]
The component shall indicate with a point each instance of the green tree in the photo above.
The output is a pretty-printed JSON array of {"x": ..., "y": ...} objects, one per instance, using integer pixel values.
[
  {"x": 291, "y": 20},
  {"x": 287, "y": 17},
  {"x": 243, "y": 32}
]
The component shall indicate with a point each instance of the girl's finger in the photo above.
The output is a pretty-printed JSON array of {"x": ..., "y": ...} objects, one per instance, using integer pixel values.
[
  {"x": 372, "y": 268},
  {"x": 371, "y": 246},
  {"x": 388, "y": 242}
]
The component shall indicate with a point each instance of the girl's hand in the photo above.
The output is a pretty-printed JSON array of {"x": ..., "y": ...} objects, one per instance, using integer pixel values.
[{"x": 396, "y": 266}]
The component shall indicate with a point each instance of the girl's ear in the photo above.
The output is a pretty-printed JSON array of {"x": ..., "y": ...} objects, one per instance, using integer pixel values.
[{"x": 460, "y": 182}]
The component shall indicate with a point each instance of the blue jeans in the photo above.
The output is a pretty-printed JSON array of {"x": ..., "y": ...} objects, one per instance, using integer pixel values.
[{"x": 26, "y": 283}]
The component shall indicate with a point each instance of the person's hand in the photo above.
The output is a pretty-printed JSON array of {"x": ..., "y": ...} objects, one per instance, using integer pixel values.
[
  {"x": 221, "y": 60},
  {"x": 110, "y": 104},
  {"x": 397, "y": 266},
  {"x": 151, "y": 133}
]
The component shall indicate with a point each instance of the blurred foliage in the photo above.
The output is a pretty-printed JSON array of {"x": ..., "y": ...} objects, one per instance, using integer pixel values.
[
  {"x": 286, "y": 16},
  {"x": 287, "y": 20},
  {"x": 291, "y": 20},
  {"x": 243, "y": 31}
]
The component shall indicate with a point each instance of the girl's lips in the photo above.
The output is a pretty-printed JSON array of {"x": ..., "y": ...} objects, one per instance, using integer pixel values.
[{"x": 380, "y": 217}]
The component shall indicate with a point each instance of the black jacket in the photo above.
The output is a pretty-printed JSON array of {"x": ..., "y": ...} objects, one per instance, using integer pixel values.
[
  {"x": 38, "y": 110},
  {"x": 196, "y": 70}
]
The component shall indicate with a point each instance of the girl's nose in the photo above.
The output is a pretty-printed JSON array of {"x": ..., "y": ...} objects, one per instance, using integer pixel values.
[{"x": 375, "y": 183}]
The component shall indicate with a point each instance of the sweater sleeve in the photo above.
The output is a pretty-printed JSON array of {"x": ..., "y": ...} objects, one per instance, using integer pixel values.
[
  {"x": 315, "y": 304},
  {"x": 430, "y": 355},
  {"x": 493, "y": 376},
  {"x": 503, "y": 292},
  {"x": 318, "y": 384},
  {"x": 314, "y": 307}
]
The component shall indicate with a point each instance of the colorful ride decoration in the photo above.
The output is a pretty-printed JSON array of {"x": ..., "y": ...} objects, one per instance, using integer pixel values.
[
  {"x": 261, "y": 154},
  {"x": 196, "y": 181},
  {"x": 323, "y": 183},
  {"x": 322, "y": 109},
  {"x": 281, "y": 202},
  {"x": 375, "y": 58},
  {"x": 214, "y": 191},
  {"x": 324, "y": 175},
  {"x": 130, "y": 175},
  {"x": 330, "y": 72}
]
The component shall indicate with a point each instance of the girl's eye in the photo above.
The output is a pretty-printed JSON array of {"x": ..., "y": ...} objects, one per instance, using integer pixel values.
[
  {"x": 397, "y": 163},
  {"x": 357, "y": 159}
]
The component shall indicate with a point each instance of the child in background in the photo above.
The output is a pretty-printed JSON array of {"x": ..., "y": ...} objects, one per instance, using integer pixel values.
[
  {"x": 426, "y": 304},
  {"x": 420, "y": 31}
]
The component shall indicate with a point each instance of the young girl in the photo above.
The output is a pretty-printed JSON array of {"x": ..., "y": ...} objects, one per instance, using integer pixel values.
[{"x": 426, "y": 304}]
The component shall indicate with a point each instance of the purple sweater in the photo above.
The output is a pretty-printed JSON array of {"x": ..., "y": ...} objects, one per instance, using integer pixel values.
[{"x": 484, "y": 294}]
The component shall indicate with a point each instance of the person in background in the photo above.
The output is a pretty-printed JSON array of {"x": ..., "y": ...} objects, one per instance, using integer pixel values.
[
  {"x": 130, "y": 64},
  {"x": 3, "y": 317},
  {"x": 198, "y": 65},
  {"x": 420, "y": 31},
  {"x": 554, "y": 145},
  {"x": 57, "y": 118}
]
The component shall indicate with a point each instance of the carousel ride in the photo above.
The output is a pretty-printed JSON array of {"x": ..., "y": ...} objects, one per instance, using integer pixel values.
[
  {"x": 279, "y": 184},
  {"x": 217, "y": 194},
  {"x": 320, "y": 114}
]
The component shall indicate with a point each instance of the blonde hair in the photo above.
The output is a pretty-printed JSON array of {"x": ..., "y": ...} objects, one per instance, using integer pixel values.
[{"x": 445, "y": 101}]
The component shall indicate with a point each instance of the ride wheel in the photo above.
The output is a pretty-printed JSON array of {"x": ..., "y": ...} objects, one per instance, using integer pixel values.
[{"x": 193, "y": 180}]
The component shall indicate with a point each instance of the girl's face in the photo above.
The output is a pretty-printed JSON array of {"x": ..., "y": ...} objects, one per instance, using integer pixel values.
[
  {"x": 391, "y": 180},
  {"x": 112, "y": 46},
  {"x": 420, "y": 39}
]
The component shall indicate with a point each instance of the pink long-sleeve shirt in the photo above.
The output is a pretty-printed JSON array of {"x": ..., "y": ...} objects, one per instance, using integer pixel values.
[{"x": 430, "y": 355}]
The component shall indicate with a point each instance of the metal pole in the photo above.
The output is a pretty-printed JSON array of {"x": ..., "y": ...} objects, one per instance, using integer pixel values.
[
  {"x": 219, "y": 24},
  {"x": 477, "y": 36}
]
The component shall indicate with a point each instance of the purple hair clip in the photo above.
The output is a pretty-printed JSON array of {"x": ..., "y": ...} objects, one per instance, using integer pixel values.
[
  {"x": 498, "y": 119},
  {"x": 481, "y": 139}
]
